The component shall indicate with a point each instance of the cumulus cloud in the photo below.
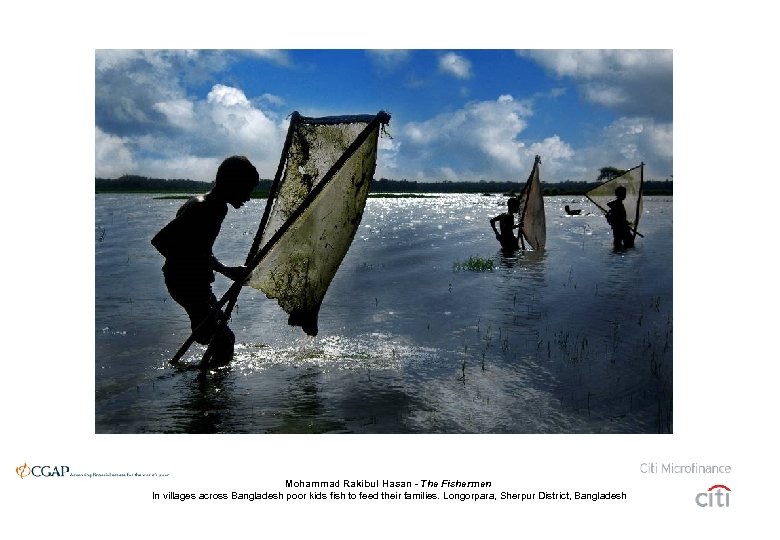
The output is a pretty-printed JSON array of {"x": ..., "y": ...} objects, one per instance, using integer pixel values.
[
  {"x": 151, "y": 119},
  {"x": 625, "y": 143},
  {"x": 178, "y": 112},
  {"x": 148, "y": 123},
  {"x": 455, "y": 65},
  {"x": 387, "y": 160},
  {"x": 113, "y": 156},
  {"x": 632, "y": 82},
  {"x": 238, "y": 121},
  {"x": 482, "y": 140},
  {"x": 634, "y": 139}
]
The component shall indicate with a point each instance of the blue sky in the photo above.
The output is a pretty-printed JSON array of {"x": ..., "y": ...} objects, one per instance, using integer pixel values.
[{"x": 473, "y": 114}]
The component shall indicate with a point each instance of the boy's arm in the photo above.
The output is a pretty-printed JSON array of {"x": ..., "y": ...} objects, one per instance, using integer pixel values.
[
  {"x": 231, "y": 272},
  {"x": 493, "y": 224}
]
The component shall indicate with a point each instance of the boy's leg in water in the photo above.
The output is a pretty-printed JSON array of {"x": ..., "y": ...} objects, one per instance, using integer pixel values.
[
  {"x": 625, "y": 237},
  {"x": 221, "y": 348},
  {"x": 617, "y": 240},
  {"x": 200, "y": 303},
  {"x": 219, "y": 338},
  {"x": 628, "y": 239}
]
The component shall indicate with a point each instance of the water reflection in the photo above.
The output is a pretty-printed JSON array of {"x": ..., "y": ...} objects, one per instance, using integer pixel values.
[
  {"x": 207, "y": 406},
  {"x": 304, "y": 409}
]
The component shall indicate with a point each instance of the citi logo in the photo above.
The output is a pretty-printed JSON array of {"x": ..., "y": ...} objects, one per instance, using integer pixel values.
[
  {"x": 23, "y": 471},
  {"x": 714, "y": 497}
]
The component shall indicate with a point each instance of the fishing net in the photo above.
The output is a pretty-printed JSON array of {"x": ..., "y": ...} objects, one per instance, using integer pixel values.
[
  {"x": 316, "y": 211},
  {"x": 534, "y": 226},
  {"x": 604, "y": 193}
]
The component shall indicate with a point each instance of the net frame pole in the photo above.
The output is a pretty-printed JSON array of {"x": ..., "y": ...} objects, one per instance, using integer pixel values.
[{"x": 639, "y": 201}]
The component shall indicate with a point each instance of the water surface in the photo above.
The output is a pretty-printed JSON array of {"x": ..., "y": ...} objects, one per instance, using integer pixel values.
[{"x": 575, "y": 339}]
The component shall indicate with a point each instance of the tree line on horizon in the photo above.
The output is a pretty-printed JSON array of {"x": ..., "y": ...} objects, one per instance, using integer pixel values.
[{"x": 135, "y": 183}]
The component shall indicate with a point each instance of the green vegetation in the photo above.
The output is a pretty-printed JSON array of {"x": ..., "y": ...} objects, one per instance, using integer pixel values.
[
  {"x": 608, "y": 173},
  {"x": 475, "y": 264},
  {"x": 141, "y": 184}
]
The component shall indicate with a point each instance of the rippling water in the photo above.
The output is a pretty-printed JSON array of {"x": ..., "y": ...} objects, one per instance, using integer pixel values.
[{"x": 576, "y": 339}]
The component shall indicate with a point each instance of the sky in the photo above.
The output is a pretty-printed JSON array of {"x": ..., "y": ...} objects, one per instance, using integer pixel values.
[{"x": 457, "y": 114}]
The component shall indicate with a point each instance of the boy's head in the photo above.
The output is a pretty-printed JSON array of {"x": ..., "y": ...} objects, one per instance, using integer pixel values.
[
  {"x": 513, "y": 205},
  {"x": 620, "y": 192},
  {"x": 236, "y": 178}
]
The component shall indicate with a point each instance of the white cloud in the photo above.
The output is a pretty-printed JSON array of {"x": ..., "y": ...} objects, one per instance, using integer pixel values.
[
  {"x": 604, "y": 94},
  {"x": 486, "y": 140},
  {"x": 387, "y": 160},
  {"x": 481, "y": 141},
  {"x": 227, "y": 96},
  {"x": 388, "y": 59},
  {"x": 184, "y": 166},
  {"x": 660, "y": 142},
  {"x": 642, "y": 139},
  {"x": 447, "y": 173},
  {"x": 272, "y": 99},
  {"x": 178, "y": 112},
  {"x": 276, "y": 56},
  {"x": 108, "y": 59},
  {"x": 455, "y": 65},
  {"x": 633, "y": 82},
  {"x": 148, "y": 123},
  {"x": 627, "y": 142},
  {"x": 240, "y": 124},
  {"x": 597, "y": 63},
  {"x": 113, "y": 158},
  {"x": 553, "y": 149}
]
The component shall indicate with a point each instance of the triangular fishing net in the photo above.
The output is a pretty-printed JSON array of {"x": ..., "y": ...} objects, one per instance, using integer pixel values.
[
  {"x": 316, "y": 209},
  {"x": 604, "y": 193},
  {"x": 534, "y": 226}
]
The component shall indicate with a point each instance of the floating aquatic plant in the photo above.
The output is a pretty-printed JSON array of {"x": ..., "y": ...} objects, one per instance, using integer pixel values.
[{"x": 475, "y": 264}]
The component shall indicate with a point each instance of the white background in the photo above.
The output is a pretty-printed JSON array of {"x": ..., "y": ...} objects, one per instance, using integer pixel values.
[{"x": 724, "y": 293}]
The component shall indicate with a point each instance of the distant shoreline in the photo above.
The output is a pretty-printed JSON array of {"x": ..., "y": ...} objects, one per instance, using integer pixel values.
[
  {"x": 381, "y": 187},
  {"x": 264, "y": 195}
]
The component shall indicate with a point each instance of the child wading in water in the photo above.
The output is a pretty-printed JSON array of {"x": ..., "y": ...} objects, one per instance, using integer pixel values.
[
  {"x": 506, "y": 222},
  {"x": 616, "y": 217},
  {"x": 187, "y": 242}
]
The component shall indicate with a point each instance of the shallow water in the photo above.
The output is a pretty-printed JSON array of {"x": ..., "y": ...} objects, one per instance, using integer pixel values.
[{"x": 575, "y": 339}]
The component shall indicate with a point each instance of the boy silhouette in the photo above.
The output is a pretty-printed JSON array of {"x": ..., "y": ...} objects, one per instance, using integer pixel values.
[
  {"x": 616, "y": 217},
  {"x": 506, "y": 222},
  {"x": 186, "y": 243}
]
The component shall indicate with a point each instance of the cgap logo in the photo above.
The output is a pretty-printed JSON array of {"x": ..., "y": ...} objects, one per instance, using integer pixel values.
[
  {"x": 23, "y": 471},
  {"x": 714, "y": 497}
]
